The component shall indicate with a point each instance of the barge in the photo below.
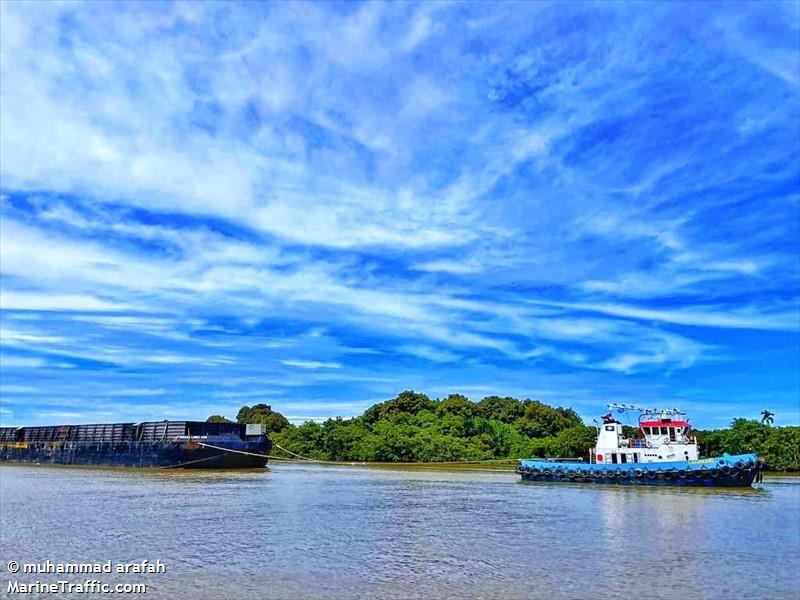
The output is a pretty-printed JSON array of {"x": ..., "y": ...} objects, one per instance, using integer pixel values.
[
  {"x": 152, "y": 444},
  {"x": 662, "y": 452}
]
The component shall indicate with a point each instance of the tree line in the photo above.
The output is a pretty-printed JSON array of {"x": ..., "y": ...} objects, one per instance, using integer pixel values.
[{"x": 415, "y": 428}]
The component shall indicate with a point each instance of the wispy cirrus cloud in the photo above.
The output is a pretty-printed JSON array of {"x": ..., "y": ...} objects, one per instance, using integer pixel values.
[
  {"x": 784, "y": 317},
  {"x": 231, "y": 201},
  {"x": 311, "y": 364}
]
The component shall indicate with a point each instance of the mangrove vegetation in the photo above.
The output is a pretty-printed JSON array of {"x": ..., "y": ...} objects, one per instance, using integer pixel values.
[{"x": 415, "y": 428}]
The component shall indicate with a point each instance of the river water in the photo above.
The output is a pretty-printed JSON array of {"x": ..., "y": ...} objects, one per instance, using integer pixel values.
[{"x": 299, "y": 531}]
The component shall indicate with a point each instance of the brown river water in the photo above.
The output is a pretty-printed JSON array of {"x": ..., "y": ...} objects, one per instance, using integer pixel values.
[{"x": 309, "y": 531}]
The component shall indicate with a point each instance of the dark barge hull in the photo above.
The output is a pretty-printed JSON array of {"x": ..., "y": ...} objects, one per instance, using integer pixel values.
[
  {"x": 187, "y": 455},
  {"x": 163, "y": 445}
]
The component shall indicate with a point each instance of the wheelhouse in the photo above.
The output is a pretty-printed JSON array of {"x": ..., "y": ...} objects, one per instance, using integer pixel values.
[{"x": 662, "y": 436}]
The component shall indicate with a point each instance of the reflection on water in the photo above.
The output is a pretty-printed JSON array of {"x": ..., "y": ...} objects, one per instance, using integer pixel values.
[
  {"x": 354, "y": 532},
  {"x": 670, "y": 528}
]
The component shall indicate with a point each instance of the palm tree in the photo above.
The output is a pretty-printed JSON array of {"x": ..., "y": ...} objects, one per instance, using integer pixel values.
[{"x": 767, "y": 417}]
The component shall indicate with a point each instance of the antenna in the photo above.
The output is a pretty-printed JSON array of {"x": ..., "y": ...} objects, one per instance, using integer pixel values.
[
  {"x": 623, "y": 407},
  {"x": 619, "y": 407}
]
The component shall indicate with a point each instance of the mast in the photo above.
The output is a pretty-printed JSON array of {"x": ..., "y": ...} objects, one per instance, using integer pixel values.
[{"x": 644, "y": 412}]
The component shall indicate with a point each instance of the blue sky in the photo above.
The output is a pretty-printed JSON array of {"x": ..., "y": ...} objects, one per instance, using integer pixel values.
[{"x": 320, "y": 205}]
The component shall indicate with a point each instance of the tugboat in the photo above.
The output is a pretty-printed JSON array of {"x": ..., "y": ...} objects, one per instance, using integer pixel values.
[{"x": 662, "y": 452}]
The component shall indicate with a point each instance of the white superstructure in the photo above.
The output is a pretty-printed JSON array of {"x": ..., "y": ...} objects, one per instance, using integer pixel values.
[{"x": 662, "y": 436}]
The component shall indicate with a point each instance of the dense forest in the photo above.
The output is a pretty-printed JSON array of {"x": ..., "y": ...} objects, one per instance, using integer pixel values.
[{"x": 414, "y": 428}]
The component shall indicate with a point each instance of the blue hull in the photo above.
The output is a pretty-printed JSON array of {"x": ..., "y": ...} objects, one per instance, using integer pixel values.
[{"x": 724, "y": 471}]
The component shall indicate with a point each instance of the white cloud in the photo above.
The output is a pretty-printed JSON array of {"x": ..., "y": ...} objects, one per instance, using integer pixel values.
[
  {"x": 21, "y": 362},
  {"x": 785, "y": 318},
  {"x": 379, "y": 174},
  {"x": 311, "y": 364},
  {"x": 429, "y": 353},
  {"x": 139, "y": 393},
  {"x": 11, "y": 337}
]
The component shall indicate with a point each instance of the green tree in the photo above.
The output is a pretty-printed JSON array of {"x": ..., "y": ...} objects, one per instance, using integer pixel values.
[
  {"x": 745, "y": 435},
  {"x": 767, "y": 417},
  {"x": 629, "y": 431},
  {"x": 263, "y": 414},
  {"x": 407, "y": 402},
  {"x": 392, "y": 442},
  {"x": 218, "y": 419},
  {"x": 781, "y": 449},
  {"x": 504, "y": 436},
  {"x": 712, "y": 443},
  {"x": 453, "y": 424},
  {"x": 340, "y": 437},
  {"x": 305, "y": 440},
  {"x": 456, "y": 404},
  {"x": 430, "y": 446},
  {"x": 496, "y": 408},
  {"x": 540, "y": 420},
  {"x": 574, "y": 442}
]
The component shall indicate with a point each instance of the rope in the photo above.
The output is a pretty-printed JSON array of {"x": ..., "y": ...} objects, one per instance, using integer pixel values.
[
  {"x": 279, "y": 447},
  {"x": 270, "y": 456},
  {"x": 349, "y": 462},
  {"x": 216, "y": 456},
  {"x": 336, "y": 462},
  {"x": 234, "y": 451},
  {"x": 259, "y": 455},
  {"x": 191, "y": 462}
]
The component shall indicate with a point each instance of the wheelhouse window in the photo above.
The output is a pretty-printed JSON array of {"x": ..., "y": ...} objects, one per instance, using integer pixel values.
[{"x": 663, "y": 431}]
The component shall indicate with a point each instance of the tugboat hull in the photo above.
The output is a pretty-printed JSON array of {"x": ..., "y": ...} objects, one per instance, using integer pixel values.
[{"x": 725, "y": 471}]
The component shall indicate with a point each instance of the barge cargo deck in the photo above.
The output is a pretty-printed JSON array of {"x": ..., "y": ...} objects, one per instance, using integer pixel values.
[{"x": 153, "y": 444}]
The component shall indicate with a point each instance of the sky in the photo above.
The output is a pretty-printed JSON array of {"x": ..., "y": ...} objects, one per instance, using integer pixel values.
[{"x": 319, "y": 205}]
